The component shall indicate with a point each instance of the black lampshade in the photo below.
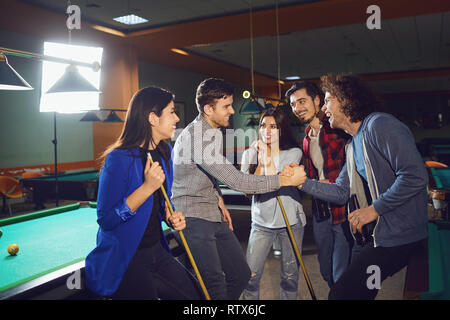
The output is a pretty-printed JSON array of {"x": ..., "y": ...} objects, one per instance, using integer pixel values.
[
  {"x": 90, "y": 116},
  {"x": 253, "y": 107},
  {"x": 113, "y": 117},
  {"x": 72, "y": 81},
  {"x": 9, "y": 78}
]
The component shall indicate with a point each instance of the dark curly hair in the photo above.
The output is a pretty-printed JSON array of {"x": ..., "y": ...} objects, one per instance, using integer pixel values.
[{"x": 357, "y": 99}]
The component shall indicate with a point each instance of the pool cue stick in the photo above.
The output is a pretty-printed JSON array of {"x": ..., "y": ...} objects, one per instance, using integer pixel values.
[
  {"x": 183, "y": 240},
  {"x": 296, "y": 250}
]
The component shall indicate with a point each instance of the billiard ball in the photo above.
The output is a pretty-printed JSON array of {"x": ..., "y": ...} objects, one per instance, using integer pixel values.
[{"x": 13, "y": 249}]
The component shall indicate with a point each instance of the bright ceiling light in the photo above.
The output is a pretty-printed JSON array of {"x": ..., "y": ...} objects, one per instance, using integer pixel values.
[
  {"x": 130, "y": 19},
  {"x": 109, "y": 30},
  {"x": 293, "y": 78}
]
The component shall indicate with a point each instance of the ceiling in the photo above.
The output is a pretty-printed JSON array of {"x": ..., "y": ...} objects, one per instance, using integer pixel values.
[
  {"x": 411, "y": 52},
  {"x": 159, "y": 12},
  {"x": 412, "y": 43}
]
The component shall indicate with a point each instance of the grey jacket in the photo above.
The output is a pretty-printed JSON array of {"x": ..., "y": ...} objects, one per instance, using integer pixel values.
[{"x": 397, "y": 180}]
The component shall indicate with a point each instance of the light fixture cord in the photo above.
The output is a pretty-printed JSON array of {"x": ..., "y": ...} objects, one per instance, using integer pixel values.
[
  {"x": 251, "y": 48},
  {"x": 70, "y": 31},
  {"x": 278, "y": 49}
]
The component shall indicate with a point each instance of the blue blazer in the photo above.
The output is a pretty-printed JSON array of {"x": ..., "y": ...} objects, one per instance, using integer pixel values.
[{"x": 120, "y": 230}]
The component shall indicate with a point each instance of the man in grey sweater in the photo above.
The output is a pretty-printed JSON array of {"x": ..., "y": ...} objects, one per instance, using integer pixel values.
[
  {"x": 198, "y": 164},
  {"x": 386, "y": 173}
]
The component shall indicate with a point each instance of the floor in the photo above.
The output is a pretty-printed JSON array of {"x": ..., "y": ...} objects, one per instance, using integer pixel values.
[{"x": 392, "y": 288}]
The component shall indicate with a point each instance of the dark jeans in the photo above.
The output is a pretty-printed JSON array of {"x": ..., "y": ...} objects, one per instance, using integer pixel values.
[
  {"x": 154, "y": 273},
  {"x": 355, "y": 284},
  {"x": 219, "y": 258},
  {"x": 334, "y": 245}
]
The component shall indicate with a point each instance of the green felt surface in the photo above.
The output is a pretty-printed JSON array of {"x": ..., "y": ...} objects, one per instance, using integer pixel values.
[
  {"x": 438, "y": 261},
  {"x": 46, "y": 244},
  {"x": 79, "y": 176},
  {"x": 441, "y": 151},
  {"x": 48, "y": 240},
  {"x": 441, "y": 146},
  {"x": 441, "y": 177}
]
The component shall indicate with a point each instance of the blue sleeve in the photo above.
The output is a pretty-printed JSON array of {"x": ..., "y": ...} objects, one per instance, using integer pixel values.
[
  {"x": 338, "y": 192},
  {"x": 396, "y": 143},
  {"x": 112, "y": 208}
]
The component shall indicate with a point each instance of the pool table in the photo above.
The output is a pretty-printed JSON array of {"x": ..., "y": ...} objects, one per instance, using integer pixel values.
[
  {"x": 82, "y": 185},
  {"x": 441, "y": 153},
  {"x": 53, "y": 244},
  {"x": 439, "y": 186},
  {"x": 438, "y": 262},
  {"x": 427, "y": 276}
]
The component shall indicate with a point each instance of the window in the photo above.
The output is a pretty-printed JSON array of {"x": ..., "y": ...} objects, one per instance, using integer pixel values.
[{"x": 52, "y": 71}]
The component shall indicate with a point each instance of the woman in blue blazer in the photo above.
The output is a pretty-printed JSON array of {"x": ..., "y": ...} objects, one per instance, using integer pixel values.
[{"x": 132, "y": 259}]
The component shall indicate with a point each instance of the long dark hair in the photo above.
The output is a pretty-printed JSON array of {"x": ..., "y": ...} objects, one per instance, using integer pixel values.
[
  {"x": 286, "y": 137},
  {"x": 136, "y": 130}
]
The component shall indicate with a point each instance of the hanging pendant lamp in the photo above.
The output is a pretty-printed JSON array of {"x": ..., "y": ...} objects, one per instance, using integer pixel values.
[
  {"x": 72, "y": 81},
  {"x": 10, "y": 79}
]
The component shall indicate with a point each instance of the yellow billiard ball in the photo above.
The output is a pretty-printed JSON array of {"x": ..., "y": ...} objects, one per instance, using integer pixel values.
[{"x": 13, "y": 249}]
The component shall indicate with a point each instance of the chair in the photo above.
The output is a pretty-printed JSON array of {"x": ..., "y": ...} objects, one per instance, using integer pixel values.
[
  {"x": 434, "y": 164},
  {"x": 9, "y": 189}
]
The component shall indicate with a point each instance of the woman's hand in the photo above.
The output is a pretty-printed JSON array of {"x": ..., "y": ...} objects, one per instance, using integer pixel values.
[
  {"x": 264, "y": 157},
  {"x": 266, "y": 165},
  {"x": 154, "y": 176}
]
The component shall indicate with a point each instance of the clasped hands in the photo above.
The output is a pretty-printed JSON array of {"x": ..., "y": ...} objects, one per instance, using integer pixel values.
[
  {"x": 296, "y": 173},
  {"x": 357, "y": 218}
]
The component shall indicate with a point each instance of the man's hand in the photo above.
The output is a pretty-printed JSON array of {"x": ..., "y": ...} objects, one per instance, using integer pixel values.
[
  {"x": 361, "y": 217},
  {"x": 299, "y": 176},
  {"x": 176, "y": 221},
  {"x": 293, "y": 175},
  {"x": 226, "y": 213},
  {"x": 288, "y": 171}
]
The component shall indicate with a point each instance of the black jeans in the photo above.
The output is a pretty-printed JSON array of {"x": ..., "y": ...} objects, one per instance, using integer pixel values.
[
  {"x": 356, "y": 282},
  {"x": 154, "y": 273},
  {"x": 219, "y": 258}
]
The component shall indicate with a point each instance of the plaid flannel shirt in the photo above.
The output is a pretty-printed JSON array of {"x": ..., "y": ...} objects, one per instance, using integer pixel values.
[{"x": 332, "y": 144}]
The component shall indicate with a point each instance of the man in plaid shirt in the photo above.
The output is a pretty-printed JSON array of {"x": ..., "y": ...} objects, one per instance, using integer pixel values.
[
  {"x": 323, "y": 158},
  {"x": 198, "y": 165}
]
